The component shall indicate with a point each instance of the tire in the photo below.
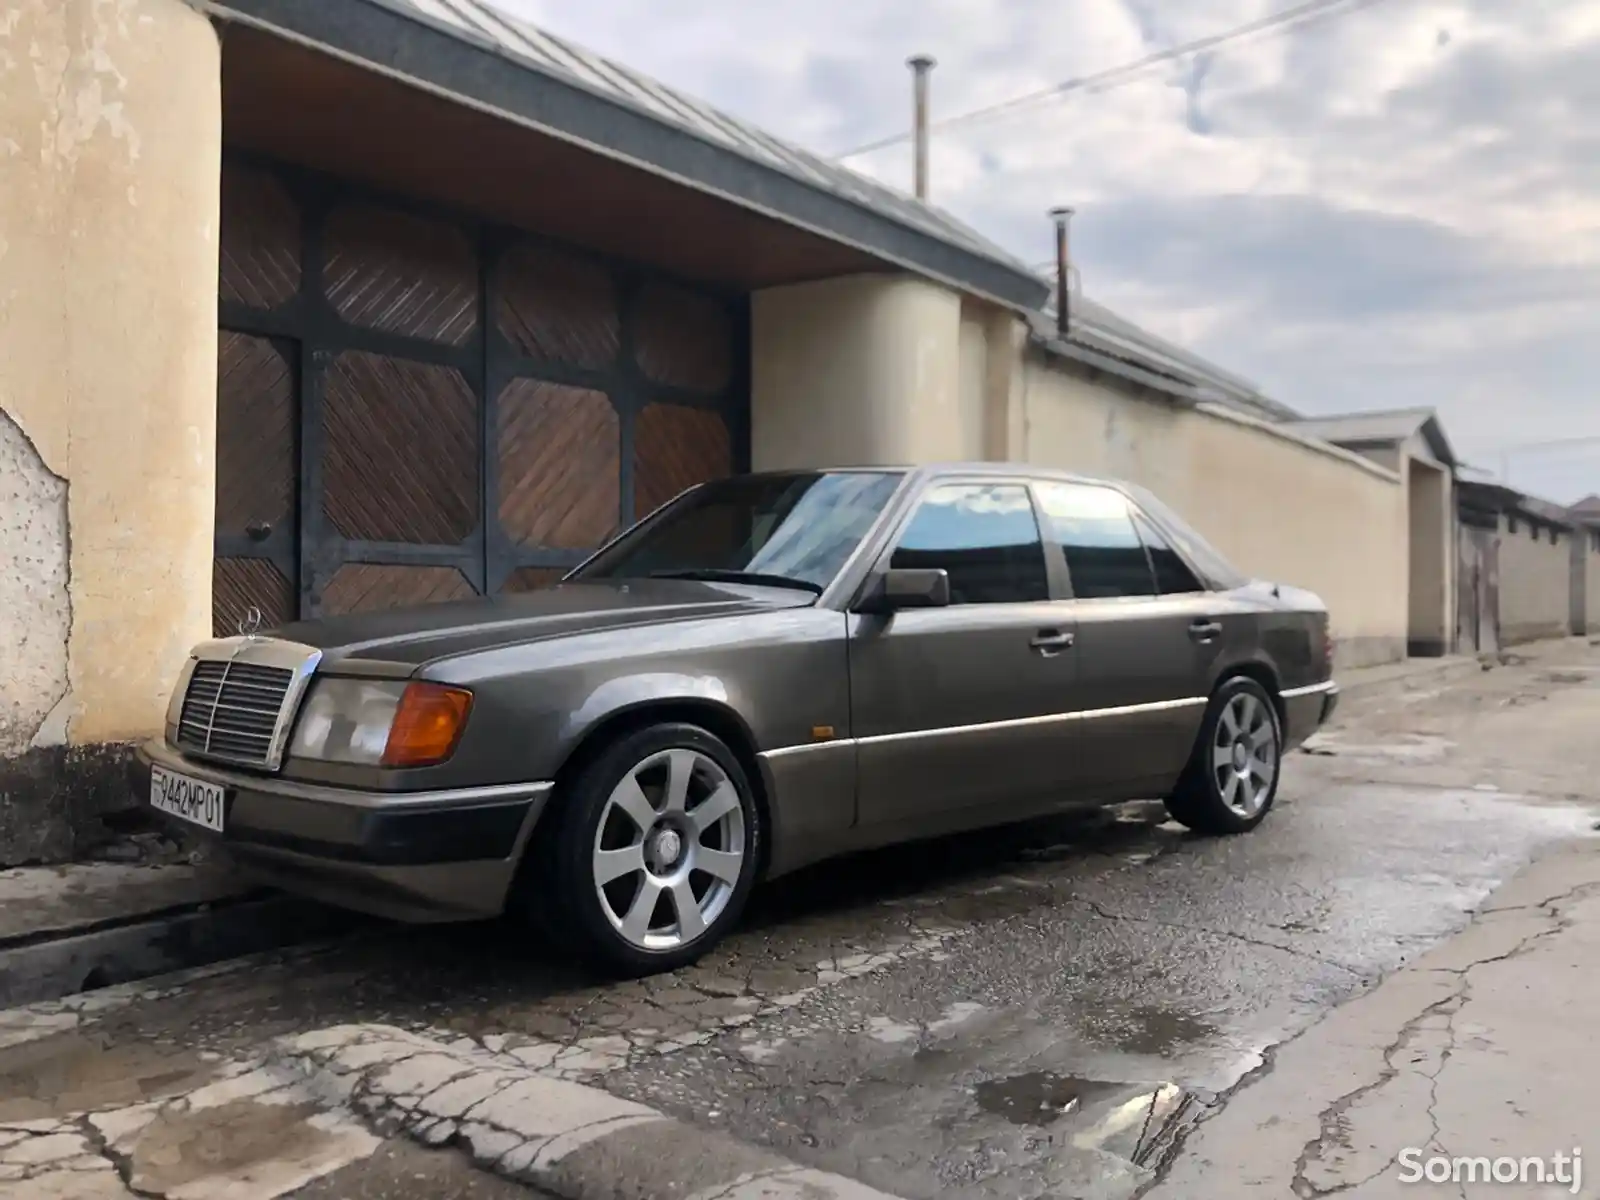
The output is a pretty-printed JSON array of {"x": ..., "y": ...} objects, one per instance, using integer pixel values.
[
  {"x": 1221, "y": 790},
  {"x": 665, "y": 776}
]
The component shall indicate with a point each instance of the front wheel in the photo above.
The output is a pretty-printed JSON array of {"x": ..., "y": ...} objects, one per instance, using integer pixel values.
[
  {"x": 654, "y": 850},
  {"x": 1232, "y": 776}
]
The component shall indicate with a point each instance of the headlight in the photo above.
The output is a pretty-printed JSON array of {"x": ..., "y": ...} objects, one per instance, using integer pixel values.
[{"x": 380, "y": 722}]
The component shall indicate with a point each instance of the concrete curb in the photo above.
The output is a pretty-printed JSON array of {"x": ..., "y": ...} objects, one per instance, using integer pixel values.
[
  {"x": 575, "y": 1141},
  {"x": 122, "y": 949}
]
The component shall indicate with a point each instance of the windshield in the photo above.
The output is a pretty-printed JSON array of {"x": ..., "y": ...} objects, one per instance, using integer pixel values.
[
  {"x": 788, "y": 530},
  {"x": 1210, "y": 561}
]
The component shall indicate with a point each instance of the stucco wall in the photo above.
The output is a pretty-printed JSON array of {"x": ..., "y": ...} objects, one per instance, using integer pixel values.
[
  {"x": 1280, "y": 506},
  {"x": 859, "y": 371},
  {"x": 110, "y": 140},
  {"x": 1592, "y": 580},
  {"x": 1431, "y": 501},
  {"x": 1535, "y": 598}
]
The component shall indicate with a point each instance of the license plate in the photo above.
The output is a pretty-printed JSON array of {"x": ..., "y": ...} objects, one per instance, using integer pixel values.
[{"x": 191, "y": 800}]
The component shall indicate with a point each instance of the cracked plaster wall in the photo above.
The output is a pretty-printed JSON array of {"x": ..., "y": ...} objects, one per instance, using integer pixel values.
[
  {"x": 110, "y": 145},
  {"x": 35, "y": 612},
  {"x": 109, "y": 149}
]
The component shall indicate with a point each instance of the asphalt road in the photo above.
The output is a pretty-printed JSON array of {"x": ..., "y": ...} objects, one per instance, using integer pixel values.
[{"x": 1035, "y": 1012}]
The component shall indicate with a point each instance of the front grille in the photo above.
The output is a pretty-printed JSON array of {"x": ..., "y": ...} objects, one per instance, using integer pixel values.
[{"x": 231, "y": 710}]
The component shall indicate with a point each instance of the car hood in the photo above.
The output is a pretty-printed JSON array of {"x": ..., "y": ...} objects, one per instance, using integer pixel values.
[{"x": 413, "y": 636}]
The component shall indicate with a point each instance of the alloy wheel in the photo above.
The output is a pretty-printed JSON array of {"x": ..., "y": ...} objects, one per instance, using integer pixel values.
[
  {"x": 1244, "y": 754},
  {"x": 669, "y": 849}
]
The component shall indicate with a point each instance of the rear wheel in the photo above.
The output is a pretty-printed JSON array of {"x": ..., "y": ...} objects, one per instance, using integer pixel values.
[
  {"x": 654, "y": 851},
  {"x": 1231, "y": 780}
]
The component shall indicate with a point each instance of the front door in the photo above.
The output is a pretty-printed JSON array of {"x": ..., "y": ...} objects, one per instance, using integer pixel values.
[
  {"x": 1149, "y": 636},
  {"x": 954, "y": 707}
]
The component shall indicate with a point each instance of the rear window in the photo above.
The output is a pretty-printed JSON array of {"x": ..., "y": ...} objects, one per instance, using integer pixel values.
[{"x": 1212, "y": 564}]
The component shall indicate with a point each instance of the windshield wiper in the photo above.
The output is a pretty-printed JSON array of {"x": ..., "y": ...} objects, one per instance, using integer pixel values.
[{"x": 714, "y": 575}]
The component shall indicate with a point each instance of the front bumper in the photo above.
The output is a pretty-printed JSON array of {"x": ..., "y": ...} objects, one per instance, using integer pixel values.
[
  {"x": 409, "y": 856},
  {"x": 1308, "y": 709}
]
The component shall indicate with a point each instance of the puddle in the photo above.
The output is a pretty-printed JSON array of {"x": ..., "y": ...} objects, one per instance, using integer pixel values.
[
  {"x": 1154, "y": 1030},
  {"x": 1141, "y": 1123},
  {"x": 1039, "y": 1097}
]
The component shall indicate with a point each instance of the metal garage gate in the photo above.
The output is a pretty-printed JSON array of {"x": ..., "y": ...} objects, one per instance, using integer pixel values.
[{"x": 415, "y": 408}]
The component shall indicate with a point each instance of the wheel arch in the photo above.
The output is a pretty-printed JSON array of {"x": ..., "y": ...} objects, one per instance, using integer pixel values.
[
  {"x": 1263, "y": 673},
  {"x": 721, "y": 720}
]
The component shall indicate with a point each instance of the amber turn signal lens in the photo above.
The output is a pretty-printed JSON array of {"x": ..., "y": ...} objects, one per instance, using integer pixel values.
[{"x": 427, "y": 725}]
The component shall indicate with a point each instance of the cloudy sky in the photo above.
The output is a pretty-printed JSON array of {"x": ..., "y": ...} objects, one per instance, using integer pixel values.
[{"x": 1394, "y": 205}]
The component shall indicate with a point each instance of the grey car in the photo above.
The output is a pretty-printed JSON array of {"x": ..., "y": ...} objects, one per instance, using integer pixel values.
[{"x": 769, "y": 671}]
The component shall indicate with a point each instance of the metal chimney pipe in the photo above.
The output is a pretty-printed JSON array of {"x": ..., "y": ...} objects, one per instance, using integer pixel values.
[
  {"x": 920, "y": 65},
  {"x": 1062, "y": 216}
]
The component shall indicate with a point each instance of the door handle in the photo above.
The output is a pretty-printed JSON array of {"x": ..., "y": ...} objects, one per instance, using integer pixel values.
[
  {"x": 1049, "y": 642},
  {"x": 1205, "y": 631}
]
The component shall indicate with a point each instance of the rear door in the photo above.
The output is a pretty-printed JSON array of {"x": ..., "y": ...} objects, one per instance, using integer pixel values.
[
  {"x": 958, "y": 710},
  {"x": 1148, "y": 638}
]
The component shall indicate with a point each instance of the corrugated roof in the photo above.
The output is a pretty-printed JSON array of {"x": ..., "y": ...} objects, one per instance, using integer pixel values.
[
  {"x": 545, "y": 51},
  {"x": 1394, "y": 425},
  {"x": 1382, "y": 426}
]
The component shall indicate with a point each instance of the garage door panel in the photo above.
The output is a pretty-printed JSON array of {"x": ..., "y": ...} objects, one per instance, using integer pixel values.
[
  {"x": 256, "y": 443},
  {"x": 401, "y": 454},
  {"x": 683, "y": 339},
  {"x": 240, "y": 584},
  {"x": 529, "y": 579},
  {"x": 401, "y": 274},
  {"x": 556, "y": 307},
  {"x": 559, "y": 465},
  {"x": 676, "y": 447},
  {"x": 260, "y": 252},
  {"x": 368, "y": 587}
]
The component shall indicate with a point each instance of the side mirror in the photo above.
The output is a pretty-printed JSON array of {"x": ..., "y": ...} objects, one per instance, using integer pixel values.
[{"x": 909, "y": 588}]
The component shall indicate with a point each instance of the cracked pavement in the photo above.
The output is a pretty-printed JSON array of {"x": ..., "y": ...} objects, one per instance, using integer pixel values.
[{"x": 1087, "y": 1008}]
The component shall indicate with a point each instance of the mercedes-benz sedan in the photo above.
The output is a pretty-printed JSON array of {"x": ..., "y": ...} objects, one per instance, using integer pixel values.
[{"x": 769, "y": 671}]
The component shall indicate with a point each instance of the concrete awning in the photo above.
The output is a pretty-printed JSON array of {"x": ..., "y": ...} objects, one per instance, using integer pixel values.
[{"x": 457, "y": 102}]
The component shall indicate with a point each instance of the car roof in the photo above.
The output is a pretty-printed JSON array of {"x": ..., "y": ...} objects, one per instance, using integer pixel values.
[{"x": 926, "y": 471}]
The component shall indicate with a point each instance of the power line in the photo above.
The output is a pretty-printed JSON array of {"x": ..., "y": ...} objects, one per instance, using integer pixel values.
[{"x": 1299, "y": 14}]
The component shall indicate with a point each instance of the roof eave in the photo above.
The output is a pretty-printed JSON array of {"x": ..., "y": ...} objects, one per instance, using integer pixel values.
[
  {"x": 474, "y": 72},
  {"x": 1052, "y": 343},
  {"x": 1433, "y": 434}
]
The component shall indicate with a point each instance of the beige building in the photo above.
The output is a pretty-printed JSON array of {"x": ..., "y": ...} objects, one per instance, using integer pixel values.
[
  {"x": 1411, "y": 444},
  {"x": 323, "y": 305},
  {"x": 1528, "y": 569}
]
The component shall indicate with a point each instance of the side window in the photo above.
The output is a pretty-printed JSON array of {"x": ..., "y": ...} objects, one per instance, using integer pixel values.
[
  {"x": 1095, "y": 529},
  {"x": 1173, "y": 576},
  {"x": 985, "y": 536}
]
